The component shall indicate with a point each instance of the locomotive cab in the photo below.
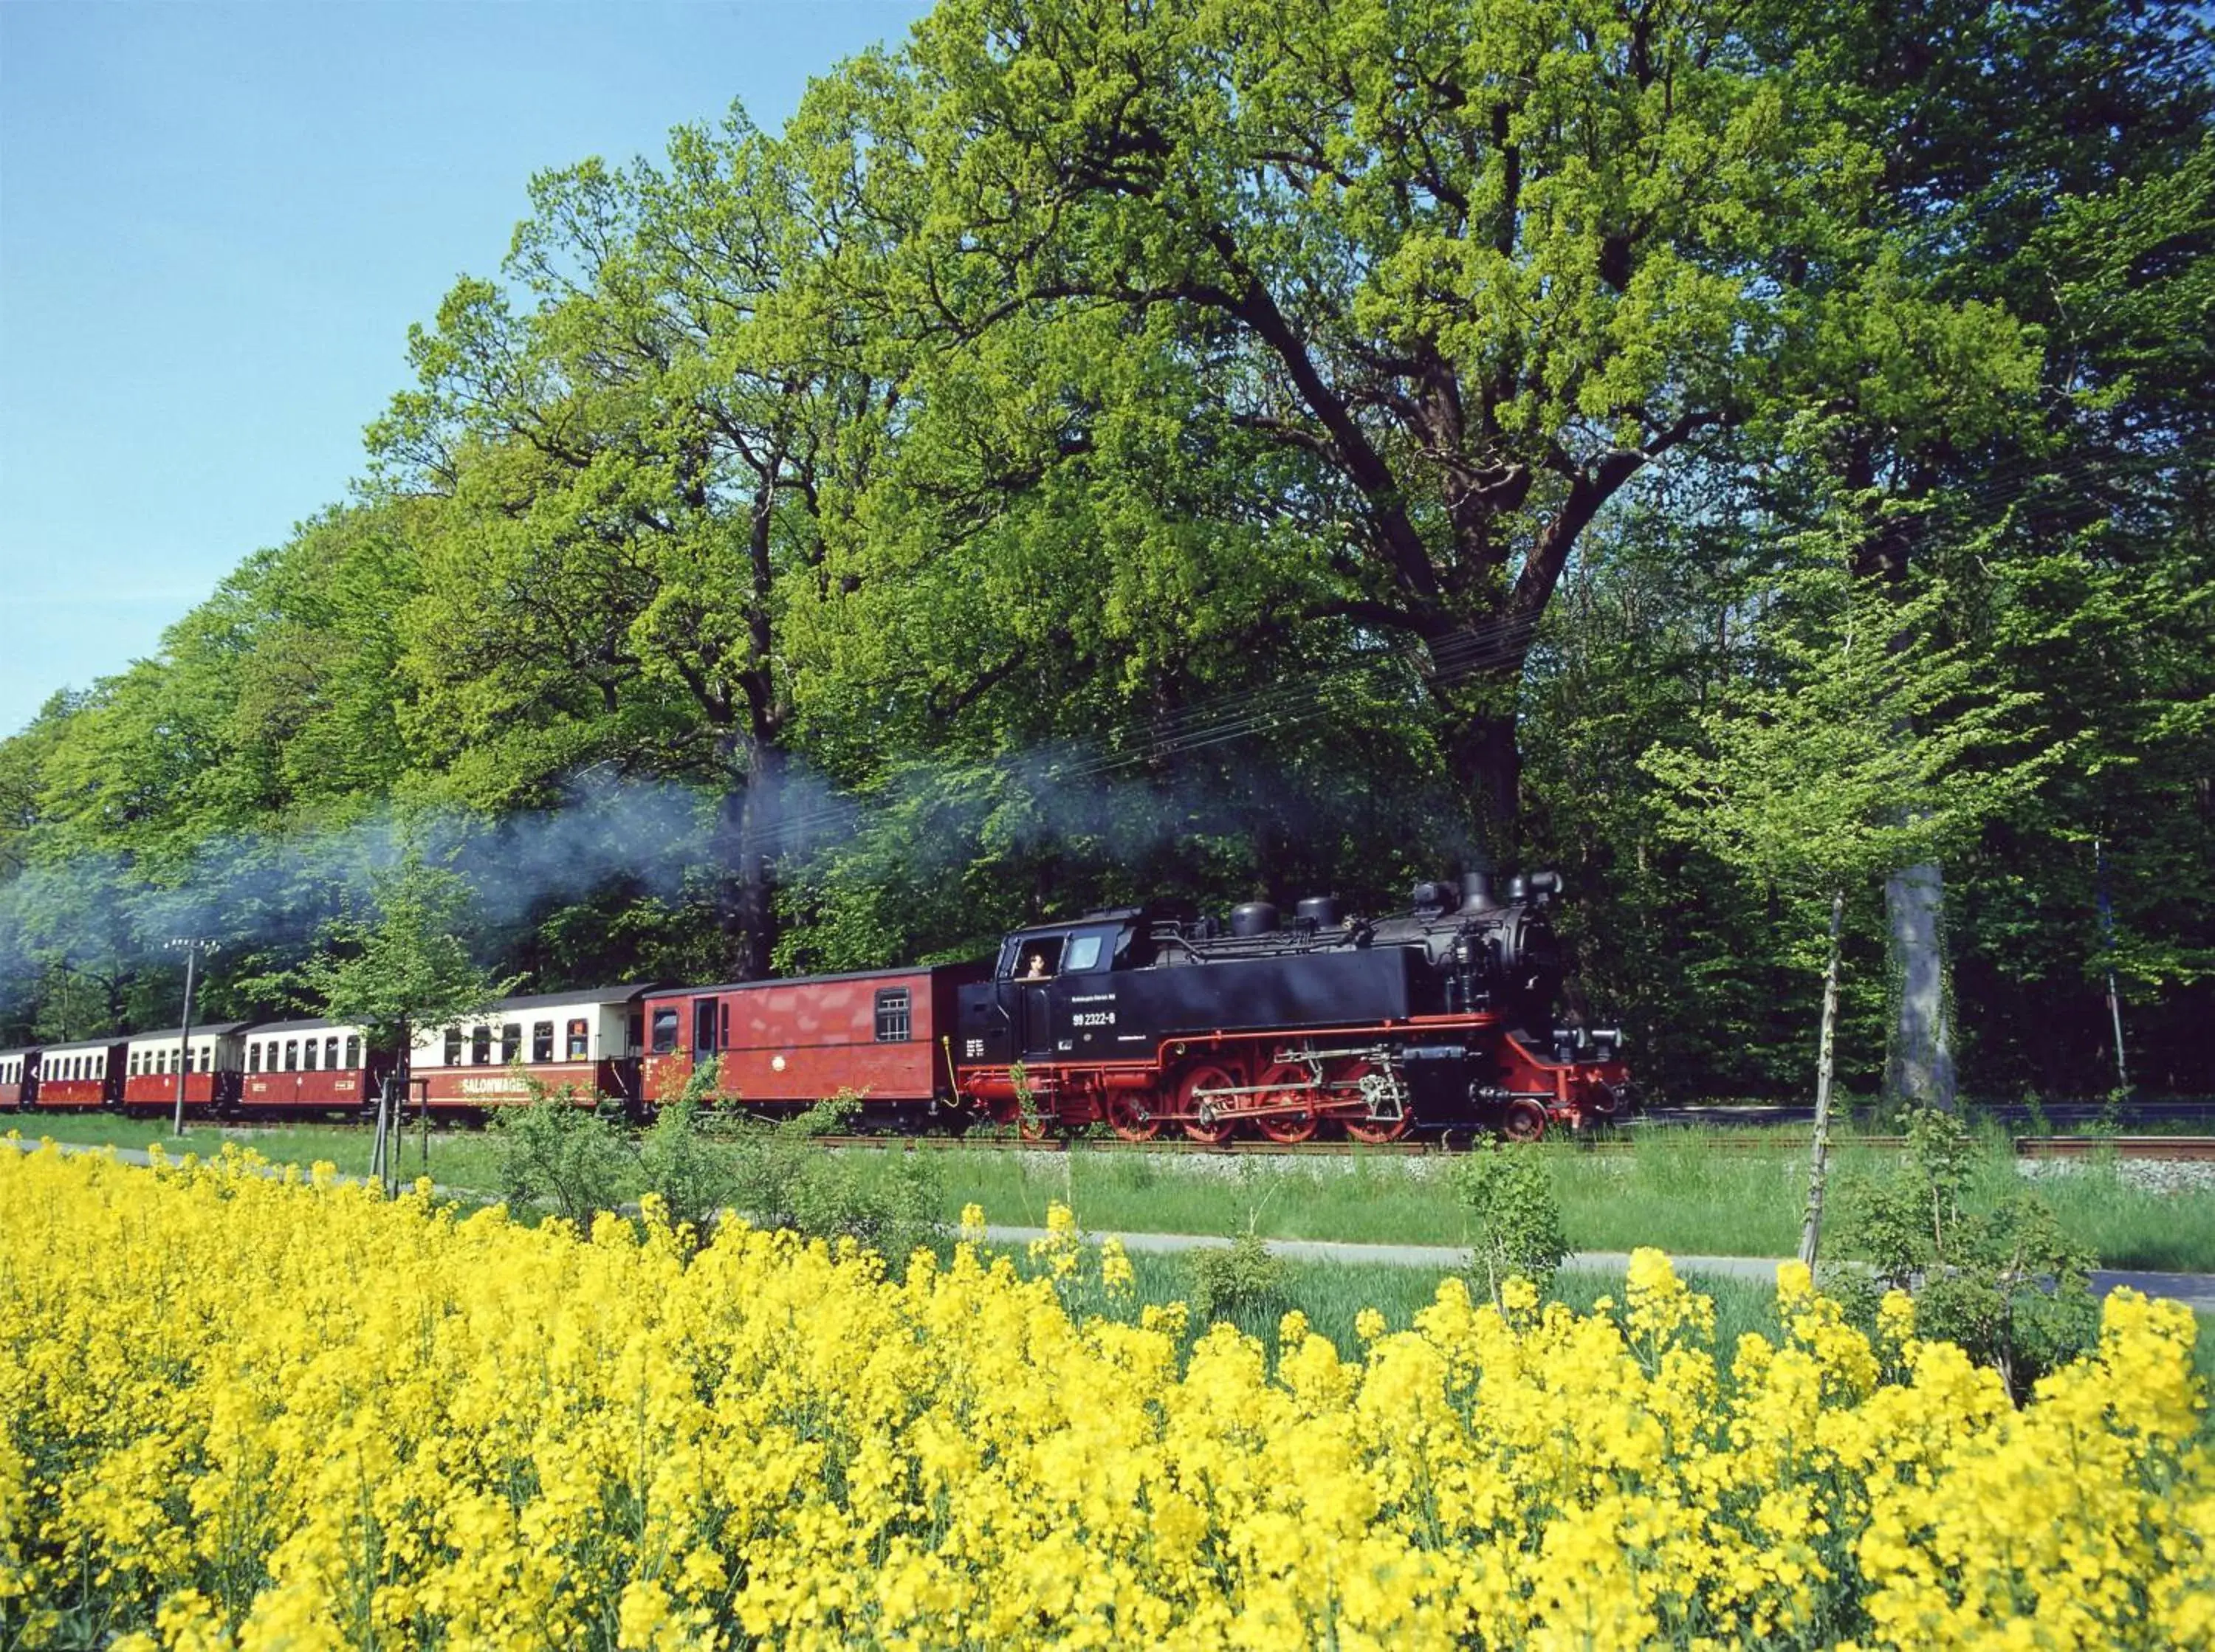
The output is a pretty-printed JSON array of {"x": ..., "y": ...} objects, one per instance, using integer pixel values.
[{"x": 1043, "y": 999}]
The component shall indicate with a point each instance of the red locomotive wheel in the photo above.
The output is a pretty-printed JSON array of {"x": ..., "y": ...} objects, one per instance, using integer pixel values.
[
  {"x": 1377, "y": 1132},
  {"x": 1524, "y": 1121},
  {"x": 1131, "y": 1115},
  {"x": 1208, "y": 1075},
  {"x": 1370, "y": 1132},
  {"x": 1285, "y": 1085}
]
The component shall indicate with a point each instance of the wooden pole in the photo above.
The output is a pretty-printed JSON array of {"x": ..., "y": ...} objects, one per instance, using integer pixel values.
[{"x": 1811, "y": 1230}]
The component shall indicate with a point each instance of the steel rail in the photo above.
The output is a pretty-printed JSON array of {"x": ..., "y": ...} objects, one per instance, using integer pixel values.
[{"x": 2025, "y": 1146}]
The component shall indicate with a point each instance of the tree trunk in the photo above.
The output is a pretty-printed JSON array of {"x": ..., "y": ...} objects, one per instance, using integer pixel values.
[
  {"x": 1920, "y": 1065},
  {"x": 1811, "y": 1229},
  {"x": 1489, "y": 767},
  {"x": 761, "y": 821}
]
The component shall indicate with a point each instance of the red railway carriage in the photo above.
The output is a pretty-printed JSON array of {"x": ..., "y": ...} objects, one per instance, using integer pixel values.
[
  {"x": 310, "y": 1067},
  {"x": 586, "y": 1038},
  {"x": 19, "y": 1079},
  {"x": 211, "y": 1068},
  {"x": 791, "y": 1042},
  {"x": 81, "y": 1076}
]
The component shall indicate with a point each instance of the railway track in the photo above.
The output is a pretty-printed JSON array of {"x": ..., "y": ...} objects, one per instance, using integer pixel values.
[{"x": 2169, "y": 1147}]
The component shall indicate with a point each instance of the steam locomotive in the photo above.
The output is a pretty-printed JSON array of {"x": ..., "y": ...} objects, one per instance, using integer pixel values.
[
  {"x": 1437, "y": 1019},
  {"x": 1286, "y": 1028}
]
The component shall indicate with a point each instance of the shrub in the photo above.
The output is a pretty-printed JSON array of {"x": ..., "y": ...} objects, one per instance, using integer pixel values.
[
  {"x": 692, "y": 1173},
  {"x": 2004, "y": 1283},
  {"x": 1515, "y": 1220},
  {"x": 1243, "y": 1278},
  {"x": 781, "y": 1179},
  {"x": 556, "y": 1152}
]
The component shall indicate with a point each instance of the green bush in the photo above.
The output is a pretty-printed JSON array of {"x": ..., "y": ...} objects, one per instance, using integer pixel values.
[
  {"x": 1242, "y": 1280},
  {"x": 1514, "y": 1220},
  {"x": 559, "y": 1153},
  {"x": 2004, "y": 1283},
  {"x": 782, "y": 1179},
  {"x": 690, "y": 1171}
]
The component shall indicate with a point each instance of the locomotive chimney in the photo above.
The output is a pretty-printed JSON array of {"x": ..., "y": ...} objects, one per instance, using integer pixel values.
[{"x": 1475, "y": 891}]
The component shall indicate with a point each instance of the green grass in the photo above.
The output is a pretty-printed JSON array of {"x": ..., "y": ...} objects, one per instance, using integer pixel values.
[
  {"x": 458, "y": 1158},
  {"x": 1678, "y": 1190}
]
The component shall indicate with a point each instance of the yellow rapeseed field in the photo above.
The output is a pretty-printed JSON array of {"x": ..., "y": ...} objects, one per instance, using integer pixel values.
[{"x": 242, "y": 1411}]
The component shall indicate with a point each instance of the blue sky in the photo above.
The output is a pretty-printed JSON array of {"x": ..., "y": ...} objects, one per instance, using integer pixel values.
[{"x": 216, "y": 222}]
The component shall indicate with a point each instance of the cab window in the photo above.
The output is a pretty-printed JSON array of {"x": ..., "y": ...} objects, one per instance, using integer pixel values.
[
  {"x": 1039, "y": 958},
  {"x": 1084, "y": 954}
]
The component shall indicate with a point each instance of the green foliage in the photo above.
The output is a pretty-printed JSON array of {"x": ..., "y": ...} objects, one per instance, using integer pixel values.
[
  {"x": 1179, "y": 453},
  {"x": 1863, "y": 745},
  {"x": 559, "y": 1153},
  {"x": 682, "y": 1162},
  {"x": 2004, "y": 1281},
  {"x": 782, "y": 1178},
  {"x": 410, "y": 967},
  {"x": 1514, "y": 1218},
  {"x": 1244, "y": 1278}
]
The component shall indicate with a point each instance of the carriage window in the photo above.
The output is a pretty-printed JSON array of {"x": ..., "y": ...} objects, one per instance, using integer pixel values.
[
  {"x": 664, "y": 1031},
  {"x": 307, "y": 1051},
  {"x": 291, "y": 1055},
  {"x": 704, "y": 1022},
  {"x": 253, "y": 1057},
  {"x": 1084, "y": 954},
  {"x": 136, "y": 1062},
  {"x": 331, "y": 1052},
  {"x": 453, "y": 1046},
  {"x": 633, "y": 1030},
  {"x": 580, "y": 1040},
  {"x": 541, "y": 1041},
  {"x": 511, "y": 1043},
  {"x": 892, "y": 1016},
  {"x": 481, "y": 1045},
  {"x": 353, "y": 1049}
]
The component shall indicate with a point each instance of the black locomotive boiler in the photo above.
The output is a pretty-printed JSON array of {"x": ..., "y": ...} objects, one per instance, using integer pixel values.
[{"x": 1437, "y": 1019}]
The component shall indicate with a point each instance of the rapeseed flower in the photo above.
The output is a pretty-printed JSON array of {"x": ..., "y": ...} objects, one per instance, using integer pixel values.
[{"x": 240, "y": 1413}]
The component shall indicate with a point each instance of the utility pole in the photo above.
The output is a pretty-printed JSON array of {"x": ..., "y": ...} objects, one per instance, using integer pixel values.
[{"x": 191, "y": 947}]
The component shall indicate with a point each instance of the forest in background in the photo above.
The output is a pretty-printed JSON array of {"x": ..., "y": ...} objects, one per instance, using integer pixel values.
[{"x": 1104, "y": 453}]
